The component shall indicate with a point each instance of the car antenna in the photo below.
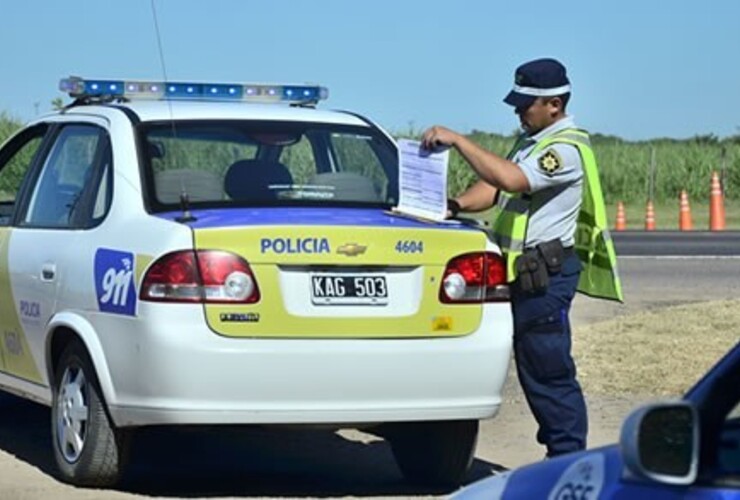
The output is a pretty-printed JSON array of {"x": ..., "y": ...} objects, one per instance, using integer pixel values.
[{"x": 186, "y": 216}]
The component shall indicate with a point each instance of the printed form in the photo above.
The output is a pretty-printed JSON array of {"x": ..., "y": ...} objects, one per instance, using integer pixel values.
[{"x": 422, "y": 181}]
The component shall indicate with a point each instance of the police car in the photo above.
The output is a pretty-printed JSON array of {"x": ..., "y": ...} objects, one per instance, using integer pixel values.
[
  {"x": 213, "y": 254},
  {"x": 688, "y": 449}
]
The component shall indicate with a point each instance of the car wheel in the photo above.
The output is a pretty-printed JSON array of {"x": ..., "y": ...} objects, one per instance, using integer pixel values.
[
  {"x": 88, "y": 449},
  {"x": 434, "y": 453}
]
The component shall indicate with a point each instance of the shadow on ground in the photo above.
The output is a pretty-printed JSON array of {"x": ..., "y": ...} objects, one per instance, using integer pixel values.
[{"x": 233, "y": 462}]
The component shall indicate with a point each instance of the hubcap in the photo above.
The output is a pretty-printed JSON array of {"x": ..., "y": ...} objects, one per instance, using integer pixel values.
[{"x": 72, "y": 414}]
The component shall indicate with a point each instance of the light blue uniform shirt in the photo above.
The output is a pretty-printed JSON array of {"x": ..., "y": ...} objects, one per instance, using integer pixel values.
[{"x": 555, "y": 177}]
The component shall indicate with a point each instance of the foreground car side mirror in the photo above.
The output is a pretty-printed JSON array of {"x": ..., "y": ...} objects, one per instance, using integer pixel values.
[{"x": 660, "y": 442}]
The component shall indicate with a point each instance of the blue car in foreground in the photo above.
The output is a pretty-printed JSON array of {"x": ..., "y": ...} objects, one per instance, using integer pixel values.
[{"x": 687, "y": 449}]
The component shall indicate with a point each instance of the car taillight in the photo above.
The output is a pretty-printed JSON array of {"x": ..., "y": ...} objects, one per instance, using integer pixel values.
[
  {"x": 474, "y": 278},
  {"x": 211, "y": 276}
]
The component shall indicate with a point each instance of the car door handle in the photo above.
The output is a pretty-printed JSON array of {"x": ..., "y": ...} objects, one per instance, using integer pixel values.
[{"x": 48, "y": 272}]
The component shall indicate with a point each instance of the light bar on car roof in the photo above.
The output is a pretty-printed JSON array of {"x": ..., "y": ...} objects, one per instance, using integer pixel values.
[{"x": 288, "y": 94}]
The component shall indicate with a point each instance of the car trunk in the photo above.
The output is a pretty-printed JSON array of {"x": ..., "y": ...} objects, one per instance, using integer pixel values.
[{"x": 332, "y": 274}]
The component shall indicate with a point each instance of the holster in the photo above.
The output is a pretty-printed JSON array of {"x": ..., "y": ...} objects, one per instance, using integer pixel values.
[{"x": 535, "y": 265}]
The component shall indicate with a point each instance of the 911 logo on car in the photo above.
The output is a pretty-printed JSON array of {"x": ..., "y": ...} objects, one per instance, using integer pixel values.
[
  {"x": 13, "y": 344},
  {"x": 114, "y": 281}
]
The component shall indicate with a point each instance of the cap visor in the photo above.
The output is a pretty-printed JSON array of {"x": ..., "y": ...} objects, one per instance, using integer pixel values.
[{"x": 519, "y": 100}]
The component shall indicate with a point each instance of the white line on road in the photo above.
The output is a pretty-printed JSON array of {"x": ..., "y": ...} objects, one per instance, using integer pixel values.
[{"x": 680, "y": 257}]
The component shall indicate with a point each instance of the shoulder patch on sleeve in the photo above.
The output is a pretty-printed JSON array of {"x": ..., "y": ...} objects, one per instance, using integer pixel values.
[{"x": 550, "y": 162}]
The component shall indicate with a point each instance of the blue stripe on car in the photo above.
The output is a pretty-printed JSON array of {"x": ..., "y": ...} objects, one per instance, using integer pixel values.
[{"x": 229, "y": 217}]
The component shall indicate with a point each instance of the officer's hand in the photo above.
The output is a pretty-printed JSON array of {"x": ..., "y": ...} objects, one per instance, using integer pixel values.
[
  {"x": 453, "y": 208},
  {"x": 438, "y": 137}
]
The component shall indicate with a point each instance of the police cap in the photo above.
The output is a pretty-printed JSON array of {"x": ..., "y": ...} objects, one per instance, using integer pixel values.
[{"x": 538, "y": 78}]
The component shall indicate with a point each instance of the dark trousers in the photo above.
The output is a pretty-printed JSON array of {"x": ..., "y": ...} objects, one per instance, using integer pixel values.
[{"x": 547, "y": 373}]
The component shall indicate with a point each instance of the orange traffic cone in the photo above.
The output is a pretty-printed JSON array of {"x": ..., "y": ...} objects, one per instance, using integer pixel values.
[
  {"x": 716, "y": 205},
  {"x": 621, "y": 222},
  {"x": 684, "y": 216},
  {"x": 650, "y": 216}
]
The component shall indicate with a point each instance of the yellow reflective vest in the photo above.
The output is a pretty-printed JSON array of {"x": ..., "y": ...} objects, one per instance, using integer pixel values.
[{"x": 593, "y": 243}]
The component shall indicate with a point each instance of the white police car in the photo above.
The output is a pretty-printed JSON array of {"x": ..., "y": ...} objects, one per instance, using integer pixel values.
[
  {"x": 687, "y": 449},
  {"x": 199, "y": 254}
]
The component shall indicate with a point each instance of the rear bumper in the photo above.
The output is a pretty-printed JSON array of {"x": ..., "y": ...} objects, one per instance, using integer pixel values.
[
  {"x": 167, "y": 368},
  {"x": 127, "y": 416}
]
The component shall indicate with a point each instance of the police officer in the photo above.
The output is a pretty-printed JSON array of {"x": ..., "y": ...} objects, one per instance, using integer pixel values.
[{"x": 550, "y": 223}]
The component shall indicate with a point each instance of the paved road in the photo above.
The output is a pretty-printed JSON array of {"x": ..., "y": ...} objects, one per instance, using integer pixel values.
[
  {"x": 655, "y": 282},
  {"x": 677, "y": 243},
  {"x": 298, "y": 463}
]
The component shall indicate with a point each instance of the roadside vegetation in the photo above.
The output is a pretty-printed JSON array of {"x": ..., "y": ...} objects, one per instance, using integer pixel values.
[
  {"x": 627, "y": 167},
  {"x": 631, "y": 172},
  {"x": 8, "y": 125},
  {"x": 634, "y": 171}
]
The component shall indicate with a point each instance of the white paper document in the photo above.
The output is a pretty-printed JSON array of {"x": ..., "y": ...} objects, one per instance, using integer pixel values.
[{"x": 422, "y": 181}]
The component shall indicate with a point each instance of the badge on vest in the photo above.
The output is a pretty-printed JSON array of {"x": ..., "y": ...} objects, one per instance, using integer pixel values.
[{"x": 550, "y": 162}]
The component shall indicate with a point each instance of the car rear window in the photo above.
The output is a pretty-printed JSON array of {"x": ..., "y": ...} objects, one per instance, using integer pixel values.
[{"x": 248, "y": 163}]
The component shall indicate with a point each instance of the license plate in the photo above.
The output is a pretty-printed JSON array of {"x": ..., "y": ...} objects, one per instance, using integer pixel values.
[{"x": 348, "y": 289}]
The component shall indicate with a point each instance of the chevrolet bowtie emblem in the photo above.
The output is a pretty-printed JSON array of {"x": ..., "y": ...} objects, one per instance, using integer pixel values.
[{"x": 351, "y": 249}]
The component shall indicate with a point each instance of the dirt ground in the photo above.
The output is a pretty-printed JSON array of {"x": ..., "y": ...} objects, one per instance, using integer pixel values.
[
  {"x": 270, "y": 463},
  {"x": 319, "y": 464}
]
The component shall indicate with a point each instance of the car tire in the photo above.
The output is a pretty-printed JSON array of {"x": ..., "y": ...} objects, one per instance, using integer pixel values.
[
  {"x": 437, "y": 454},
  {"x": 88, "y": 449}
]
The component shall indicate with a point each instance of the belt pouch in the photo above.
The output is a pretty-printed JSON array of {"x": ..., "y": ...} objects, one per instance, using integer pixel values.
[
  {"x": 553, "y": 254},
  {"x": 531, "y": 272}
]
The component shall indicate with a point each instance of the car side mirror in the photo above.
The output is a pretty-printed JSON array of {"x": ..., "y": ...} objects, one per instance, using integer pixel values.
[{"x": 660, "y": 442}]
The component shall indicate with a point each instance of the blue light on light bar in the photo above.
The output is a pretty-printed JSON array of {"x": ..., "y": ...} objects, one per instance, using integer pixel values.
[
  {"x": 103, "y": 87},
  {"x": 288, "y": 94}
]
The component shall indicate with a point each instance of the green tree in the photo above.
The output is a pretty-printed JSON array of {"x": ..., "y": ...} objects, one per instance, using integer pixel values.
[{"x": 57, "y": 104}]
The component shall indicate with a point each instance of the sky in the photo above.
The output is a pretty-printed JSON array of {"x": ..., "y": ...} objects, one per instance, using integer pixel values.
[{"x": 639, "y": 69}]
